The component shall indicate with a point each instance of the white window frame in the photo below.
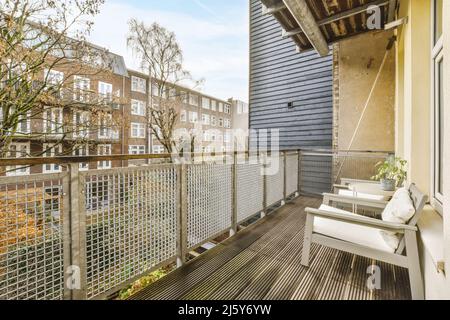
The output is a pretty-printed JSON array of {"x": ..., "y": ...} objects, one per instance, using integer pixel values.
[
  {"x": 104, "y": 150},
  {"x": 54, "y": 125},
  {"x": 138, "y": 84},
  {"x": 206, "y": 119},
  {"x": 158, "y": 149},
  {"x": 105, "y": 130},
  {"x": 105, "y": 91},
  {"x": 138, "y": 107},
  {"x": 136, "y": 149},
  {"x": 193, "y": 117},
  {"x": 13, "y": 171},
  {"x": 81, "y": 129},
  {"x": 213, "y": 105},
  {"x": 220, "y": 106},
  {"x": 54, "y": 77},
  {"x": 193, "y": 99},
  {"x": 437, "y": 55},
  {"x": 138, "y": 130},
  {"x": 81, "y": 87},
  {"x": 227, "y": 109},
  {"x": 214, "y": 121},
  {"x": 206, "y": 103},
  {"x": 84, "y": 166},
  {"x": 183, "y": 116},
  {"x": 51, "y": 150}
]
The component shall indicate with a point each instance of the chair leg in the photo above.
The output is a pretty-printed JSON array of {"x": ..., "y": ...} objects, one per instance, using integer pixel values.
[
  {"x": 415, "y": 272},
  {"x": 307, "y": 240}
]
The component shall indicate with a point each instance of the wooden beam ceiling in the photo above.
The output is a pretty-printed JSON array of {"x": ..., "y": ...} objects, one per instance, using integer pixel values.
[{"x": 305, "y": 19}]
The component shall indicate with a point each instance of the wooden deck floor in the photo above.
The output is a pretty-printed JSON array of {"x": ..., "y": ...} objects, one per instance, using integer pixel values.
[{"x": 263, "y": 262}]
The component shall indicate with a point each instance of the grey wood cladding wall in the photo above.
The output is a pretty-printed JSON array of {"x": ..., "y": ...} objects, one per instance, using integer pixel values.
[{"x": 279, "y": 75}]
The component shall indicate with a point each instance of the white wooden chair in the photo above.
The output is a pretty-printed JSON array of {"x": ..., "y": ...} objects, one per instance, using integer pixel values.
[{"x": 361, "y": 235}]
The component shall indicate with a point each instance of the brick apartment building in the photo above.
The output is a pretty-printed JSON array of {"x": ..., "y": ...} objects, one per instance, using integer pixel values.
[{"x": 123, "y": 126}]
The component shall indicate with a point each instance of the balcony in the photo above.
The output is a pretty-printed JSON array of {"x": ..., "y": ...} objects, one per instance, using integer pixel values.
[{"x": 102, "y": 229}]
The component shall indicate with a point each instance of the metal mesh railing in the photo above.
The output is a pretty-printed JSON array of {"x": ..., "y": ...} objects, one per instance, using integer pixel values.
[
  {"x": 31, "y": 237},
  {"x": 208, "y": 201},
  {"x": 292, "y": 177},
  {"x": 250, "y": 190},
  {"x": 131, "y": 216},
  {"x": 116, "y": 225},
  {"x": 275, "y": 180}
]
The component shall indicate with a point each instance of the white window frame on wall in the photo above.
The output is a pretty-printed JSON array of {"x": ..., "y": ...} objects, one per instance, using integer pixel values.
[
  {"x": 437, "y": 54},
  {"x": 138, "y": 130},
  {"x": 138, "y": 108},
  {"x": 158, "y": 149},
  {"x": 54, "y": 125},
  {"x": 104, "y": 150},
  {"x": 136, "y": 149},
  {"x": 138, "y": 84},
  {"x": 81, "y": 86},
  {"x": 105, "y": 91},
  {"x": 105, "y": 130},
  {"x": 81, "y": 127},
  {"x": 20, "y": 147},
  {"x": 51, "y": 150},
  {"x": 79, "y": 151},
  {"x": 183, "y": 116}
]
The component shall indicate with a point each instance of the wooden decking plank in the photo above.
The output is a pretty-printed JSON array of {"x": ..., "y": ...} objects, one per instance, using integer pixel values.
[{"x": 263, "y": 262}]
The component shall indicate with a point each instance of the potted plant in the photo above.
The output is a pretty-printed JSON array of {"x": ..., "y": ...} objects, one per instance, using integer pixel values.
[{"x": 391, "y": 173}]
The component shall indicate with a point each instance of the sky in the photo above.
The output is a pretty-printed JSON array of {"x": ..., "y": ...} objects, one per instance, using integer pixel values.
[{"x": 213, "y": 35}]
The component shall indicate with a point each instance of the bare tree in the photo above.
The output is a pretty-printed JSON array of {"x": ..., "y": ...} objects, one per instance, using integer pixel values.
[
  {"x": 40, "y": 40},
  {"x": 161, "y": 58}
]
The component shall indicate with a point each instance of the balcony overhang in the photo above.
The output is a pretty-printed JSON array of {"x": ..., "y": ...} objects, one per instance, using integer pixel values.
[{"x": 317, "y": 24}]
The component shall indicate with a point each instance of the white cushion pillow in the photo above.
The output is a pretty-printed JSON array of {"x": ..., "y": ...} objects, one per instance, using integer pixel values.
[{"x": 399, "y": 210}]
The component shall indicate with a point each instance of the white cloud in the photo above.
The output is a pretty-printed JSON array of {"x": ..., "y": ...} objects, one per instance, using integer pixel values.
[{"x": 214, "y": 50}]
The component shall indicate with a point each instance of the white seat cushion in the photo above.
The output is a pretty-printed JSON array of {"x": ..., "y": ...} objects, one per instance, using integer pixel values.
[
  {"x": 350, "y": 193},
  {"x": 365, "y": 236}
]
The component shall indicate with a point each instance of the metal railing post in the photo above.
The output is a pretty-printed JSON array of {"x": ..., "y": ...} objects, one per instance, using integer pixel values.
[
  {"x": 234, "y": 212},
  {"x": 284, "y": 178},
  {"x": 264, "y": 213},
  {"x": 76, "y": 280},
  {"x": 182, "y": 216},
  {"x": 299, "y": 174}
]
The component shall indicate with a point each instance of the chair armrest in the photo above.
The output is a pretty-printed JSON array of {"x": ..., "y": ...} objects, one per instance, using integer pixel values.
[
  {"x": 372, "y": 203},
  {"x": 361, "y": 220}
]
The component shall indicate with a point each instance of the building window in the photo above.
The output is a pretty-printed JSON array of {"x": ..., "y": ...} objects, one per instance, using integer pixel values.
[
  {"x": 220, "y": 107},
  {"x": 138, "y": 84},
  {"x": 213, "y": 121},
  {"x": 53, "y": 121},
  {"x": 220, "y": 122},
  {"x": 137, "y": 149},
  {"x": 82, "y": 151},
  {"x": 137, "y": 130},
  {"x": 53, "y": 80},
  {"x": 104, "y": 150},
  {"x": 81, "y": 124},
  {"x": 105, "y": 91},
  {"x": 206, "y": 120},
  {"x": 138, "y": 108},
  {"x": 227, "y": 123},
  {"x": 213, "y": 105},
  {"x": 172, "y": 94},
  {"x": 438, "y": 107},
  {"x": 18, "y": 150},
  {"x": 184, "y": 97},
  {"x": 51, "y": 150},
  {"x": 205, "y": 103},
  {"x": 105, "y": 126},
  {"x": 183, "y": 116},
  {"x": 158, "y": 149},
  {"x": 81, "y": 88},
  {"x": 227, "y": 109},
  {"x": 193, "y": 117},
  {"x": 193, "y": 100}
]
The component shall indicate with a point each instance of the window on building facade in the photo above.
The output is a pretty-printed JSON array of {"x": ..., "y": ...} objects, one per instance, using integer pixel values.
[
  {"x": 213, "y": 121},
  {"x": 138, "y": 84},
  {"x": 136, "y": 149},
  {"x": 104, "y": 150},
  {"x": 54, "y": 79},
  {"x": 438, "y": 107},
  {"x": 220, "y": 122},
  {"x": 81, "y": 124},
  {"x": 105, "y": 127},
  {"x": 173, "y": 95},
  {"x": 206, "y": 103},
  {"x": 18, "y": 150},
  {"x": 227, "y": 123},
  {"x": 213, "y": 105},
  {"x": 158, "y": 149},
  {"x": 137, "y": 130},
  {"x": 193, "y": 99},
  {"x": 137, "y": 108},
  {"x": 82, "y": 87},
  {"x": 51, "y": 150},
  {"x": 53, "y": 121},
  {"x": 82, "y": 151},
  {"x": 105, "y": 91},
  {"x": 220, "y": 107},
  {"x": 184, "y": 97},
  {"x": 183, "y": 116},
  {"x": 227, "y": 109},
  {"x": 193, "y": 117},
  {"x": 206, "y": 119}
]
